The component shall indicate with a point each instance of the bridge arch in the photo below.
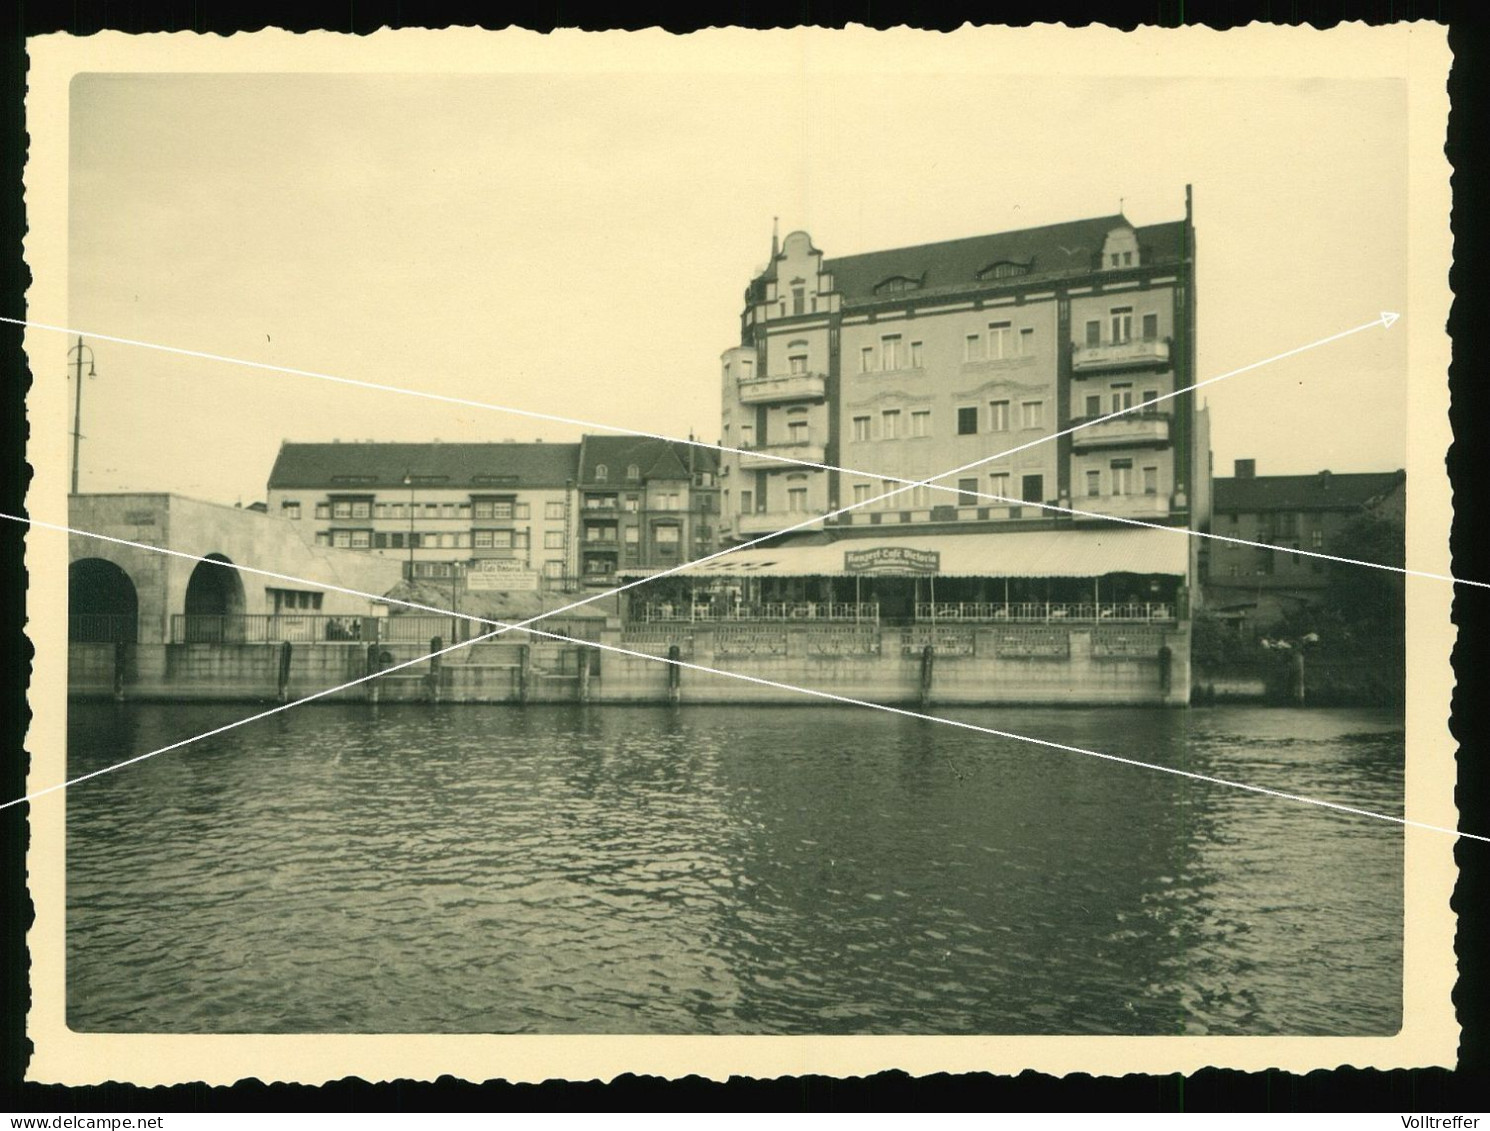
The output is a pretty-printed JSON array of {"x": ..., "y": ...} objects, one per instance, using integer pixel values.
[
  {"x": 214, "y": 602},
  {"x": 103, "y": 605}
]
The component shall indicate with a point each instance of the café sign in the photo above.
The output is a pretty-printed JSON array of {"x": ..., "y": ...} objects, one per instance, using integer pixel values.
[
  {"x": 500, "y": 573},
  {"x": 892, "y": 560}
]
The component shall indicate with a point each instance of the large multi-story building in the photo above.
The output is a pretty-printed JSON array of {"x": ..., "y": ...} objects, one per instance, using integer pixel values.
[
  {"x": 554, "y": 515},
  {"x": 444, "y": 510},
  {"x": 1257, "y": 587},
  {"x": 645, "y": 504},
  {"x": 907, "y": 363}
]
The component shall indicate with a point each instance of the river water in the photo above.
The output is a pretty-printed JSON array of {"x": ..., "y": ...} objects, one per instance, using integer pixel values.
[{"x": 344, "y": 868}]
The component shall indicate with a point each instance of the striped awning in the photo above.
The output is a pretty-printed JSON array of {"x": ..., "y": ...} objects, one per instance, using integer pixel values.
[{"x": 1035, "y": 553}]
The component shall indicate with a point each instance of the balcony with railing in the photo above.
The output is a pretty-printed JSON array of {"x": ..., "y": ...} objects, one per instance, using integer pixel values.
[
  {"x": 1136, "y": 353},
  {"x": 783, "y": 387},
  {"x": 760, "y": 457},
  {"x": 1045, "y": 612},
  {"x": 768, "y": 522},
  {"x": 1133, "y": 429},
  {"x": 992, "y": 511},
  {"x": 1139, "y": 504}
]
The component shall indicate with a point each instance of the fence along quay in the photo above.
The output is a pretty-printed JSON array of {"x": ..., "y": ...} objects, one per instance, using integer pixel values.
[{"x": 964, "y": 619}]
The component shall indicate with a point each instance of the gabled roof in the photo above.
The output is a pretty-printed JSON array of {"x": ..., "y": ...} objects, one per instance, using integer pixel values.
[
  {"x": 1071, "y": 248},
  {"x": 375, "y": 465},
  {"x": 653, "y": 458},
  {"x": 1326, "y": 491}
]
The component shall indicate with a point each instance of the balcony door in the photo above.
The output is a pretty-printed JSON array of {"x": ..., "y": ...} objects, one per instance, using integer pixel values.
[{"x": 1033, "y": 489}]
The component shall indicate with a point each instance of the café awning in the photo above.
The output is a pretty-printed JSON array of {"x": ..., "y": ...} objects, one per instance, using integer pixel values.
[{"x": 1035, "y": 553}]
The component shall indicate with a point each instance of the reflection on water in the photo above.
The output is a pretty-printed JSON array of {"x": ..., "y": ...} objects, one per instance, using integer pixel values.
[{"x": 731, "y": 870}]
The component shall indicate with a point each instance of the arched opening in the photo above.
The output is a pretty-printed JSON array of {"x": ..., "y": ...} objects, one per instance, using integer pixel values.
[
  {"x": 214, "y": 603},
  {"x": 102, "y": 605}
]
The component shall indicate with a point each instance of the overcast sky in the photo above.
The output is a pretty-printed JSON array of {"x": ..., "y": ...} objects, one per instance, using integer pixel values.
[{"x": 579, "y": 244}]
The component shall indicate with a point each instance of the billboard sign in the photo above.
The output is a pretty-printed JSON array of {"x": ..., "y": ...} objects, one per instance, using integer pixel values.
[
  {"x": 489, "y": 574},
  {"x": 892, "y": 560}
]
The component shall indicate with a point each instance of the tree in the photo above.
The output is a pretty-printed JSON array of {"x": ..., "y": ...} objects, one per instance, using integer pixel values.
[{"x": 1369, "y": 603}]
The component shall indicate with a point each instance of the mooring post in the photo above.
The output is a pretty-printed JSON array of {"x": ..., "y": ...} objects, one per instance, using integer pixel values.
[
  {"x": 283, "y": 685},
  {"x": 928, "y": 662},
  {"x": 435, "y": 644},
  {"x": 374, "y": 666},
  {"x": 1297, "y": 681},
  {"x": 524, "y": 671},
  {"x": 121, "y": 658},
  {"x": 584, "y": 674},
  {"x": 1166, "y": 669},
  {"x": 674, "y": 674}
]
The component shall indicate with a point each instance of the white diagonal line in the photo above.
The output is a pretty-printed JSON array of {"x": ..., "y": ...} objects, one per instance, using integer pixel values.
[
  {"x": 1126, "y": 521},
  {"x": 252, "y": 718},
  {"x": 1384, "y": 320},
  {"x": 810, "y": 520},
  {"x": 829, "y": 696}
]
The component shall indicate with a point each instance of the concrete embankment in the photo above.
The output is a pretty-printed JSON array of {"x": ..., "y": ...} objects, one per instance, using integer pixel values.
[
  {"x": 1285, "y": 680},
  {"x": 964, "y": 664}
]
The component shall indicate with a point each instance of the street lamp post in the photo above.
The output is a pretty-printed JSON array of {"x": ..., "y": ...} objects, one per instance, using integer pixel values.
[
  {"x": 77, "y": 414},
  {"x": 409, "y": 483},
  {"x": 456, "y": 571}
]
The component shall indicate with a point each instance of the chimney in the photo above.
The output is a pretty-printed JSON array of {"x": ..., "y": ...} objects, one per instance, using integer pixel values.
[{"x": 1246, "y": 469}]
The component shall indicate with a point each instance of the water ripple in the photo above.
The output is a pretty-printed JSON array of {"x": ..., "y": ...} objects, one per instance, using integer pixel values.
[{"x": 721, "y": 870}]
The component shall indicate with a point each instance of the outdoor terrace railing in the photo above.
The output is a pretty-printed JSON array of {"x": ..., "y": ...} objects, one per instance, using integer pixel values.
[
  {"x": 319, "y": 628},
  {"x": 267, "y": 628},
  {"x": 860, "y": 612},
  {"x": 1044, "y": 612}
]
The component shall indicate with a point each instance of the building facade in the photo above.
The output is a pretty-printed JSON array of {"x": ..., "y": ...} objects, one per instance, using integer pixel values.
[
  {"x": 644, "y": 505},
  {"x": 122, "y": 593},
  {"x": 909, "y": 362},
  {"x": 1256, "y": 587},
  {"x": 443, "y": 510}
]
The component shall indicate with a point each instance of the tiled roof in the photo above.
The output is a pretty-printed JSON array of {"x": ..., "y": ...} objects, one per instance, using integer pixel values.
[
  {"x": 452, "y": 465},
  {"x": 654, "y": 459},
  {"x": 1072, "y": 248},
  {"x": 1324, "y": 491}
]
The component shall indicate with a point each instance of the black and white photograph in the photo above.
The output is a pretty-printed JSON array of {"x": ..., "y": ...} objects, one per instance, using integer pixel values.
[{"x": 749, "y": 535}]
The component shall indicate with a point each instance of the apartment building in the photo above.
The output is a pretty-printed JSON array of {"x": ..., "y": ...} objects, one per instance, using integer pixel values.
[
  {"x": 443, "y": 510},
  {"x": 902, "y": 364},
  {"x": 1256, "y": 586},
  {"x": 644, "y": 505}
]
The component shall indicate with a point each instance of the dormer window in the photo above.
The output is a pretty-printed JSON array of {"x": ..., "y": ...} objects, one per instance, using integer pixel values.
[
  {"x": 1120, "y": 249},
  {"x": 895, "y": 284},
  {"x": 633, "y": 473},
  {"x": 601, "y": 473},
  {"x": 1005, "y": 269}
]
